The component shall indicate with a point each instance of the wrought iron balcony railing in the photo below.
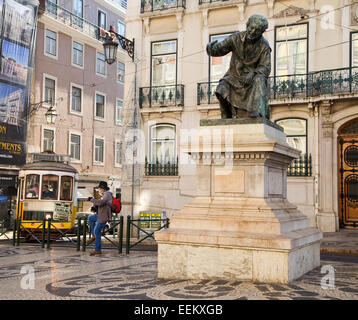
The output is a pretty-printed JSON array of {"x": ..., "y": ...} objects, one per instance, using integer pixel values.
[
  {"x": 159, "y": 5},
  {"x": 164, "y": 96},
  {"x": 68, "y": 18},
  {"x": 313, "y": 84},
  {"x": 211, "y": 1},
  {"x": 301, "y": 167},
  {"x": 160, "y": 168}
]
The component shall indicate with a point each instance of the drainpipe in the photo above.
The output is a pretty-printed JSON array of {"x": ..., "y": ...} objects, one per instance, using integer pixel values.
[{"x": 316, "y": 162}]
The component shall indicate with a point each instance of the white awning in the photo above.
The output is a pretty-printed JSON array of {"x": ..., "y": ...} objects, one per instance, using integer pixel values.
[{"x": 83, "y": 194}]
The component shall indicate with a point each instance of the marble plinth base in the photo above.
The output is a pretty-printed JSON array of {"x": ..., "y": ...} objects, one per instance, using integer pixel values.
[
  {"x": 240, "y": 224},
  {"x": 190, "y": 261}
]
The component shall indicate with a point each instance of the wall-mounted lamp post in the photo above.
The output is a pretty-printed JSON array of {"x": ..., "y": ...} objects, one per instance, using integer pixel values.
[
  {"x": 110, "y": 46},
  {"x": 50, "y": 114}
]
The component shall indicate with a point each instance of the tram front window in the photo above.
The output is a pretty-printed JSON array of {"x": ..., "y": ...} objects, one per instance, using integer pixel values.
[
  {"x": 32, "y": 186},
  {"x": 49, "y": 189},
  {"x": 66, "y": 188}
]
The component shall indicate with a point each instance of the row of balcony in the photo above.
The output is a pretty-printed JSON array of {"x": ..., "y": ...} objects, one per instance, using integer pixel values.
[
  {"x": 301, "y": 167},
  {"x": 69, "y": 19},
  {"x": 301, "y": 86},
  {"x": 159, "y": 5}
]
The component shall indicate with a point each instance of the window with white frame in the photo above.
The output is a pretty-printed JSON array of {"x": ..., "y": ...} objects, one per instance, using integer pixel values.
[
  {"x": 48, "y": 140},
  {"x": 102, "y": 19},
  {"x": 219, "y": 65},
  {"x": 120, "y": 72},
  {"x": 121, "y": 28},
  {"x": 51, "y": 42},
  {"x": 296, "y": 132},
  {"x": 50, "y": 90},
  {"x": 118, "y": 153},
  {"x": 100, "y": 64},
  {"x": 100, "y": 101},
  {"x": 354, "y": 49},
  {"x": 78, "y": 8},
  {"x": 75, "y": 146},
  {"x": 164, "y": 63},
  {"x": 119, "y": 106},
  {"x": 77, "y": 54},
  {"x": 77, "y": 18},
  {"x": 76, "y": 99},
  {"x": 99, "y": 150},
  {"x": 162, "y": 143},
  {"x": 291, "y": 49}
]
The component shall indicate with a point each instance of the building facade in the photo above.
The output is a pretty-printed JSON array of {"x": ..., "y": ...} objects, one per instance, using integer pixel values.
[
  {"x": 312, "y": 87},
  {"x": 71, "y": 74}
]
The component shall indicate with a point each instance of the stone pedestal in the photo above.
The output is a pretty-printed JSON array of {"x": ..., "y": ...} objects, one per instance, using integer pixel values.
[{"x": 240, "y": 224}]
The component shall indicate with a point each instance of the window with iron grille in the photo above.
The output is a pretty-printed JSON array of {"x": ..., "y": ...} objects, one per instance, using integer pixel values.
[
  {"x": 164, "y": 63},
  {"x": 162, "y": 143},
  {"x": 291, "y": 43},
  {"x": 219, "y": 65}
]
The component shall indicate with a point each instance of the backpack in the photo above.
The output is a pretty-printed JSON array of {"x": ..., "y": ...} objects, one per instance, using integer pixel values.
[{"x": 116, "y": 205}]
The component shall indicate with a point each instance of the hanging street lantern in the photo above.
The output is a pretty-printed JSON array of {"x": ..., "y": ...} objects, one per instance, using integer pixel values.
[
  {"x": 110, "y": 50},
  {"x": 110, "y": 46},
  {"x": 51, "y": 115}
]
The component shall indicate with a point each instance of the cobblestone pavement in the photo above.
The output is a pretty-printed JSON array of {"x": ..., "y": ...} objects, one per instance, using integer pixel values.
[{"x": 67, "y": 274}]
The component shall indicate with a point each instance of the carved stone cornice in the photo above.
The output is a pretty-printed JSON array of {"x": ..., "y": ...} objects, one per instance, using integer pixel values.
[{"x": 294, "y": 11}]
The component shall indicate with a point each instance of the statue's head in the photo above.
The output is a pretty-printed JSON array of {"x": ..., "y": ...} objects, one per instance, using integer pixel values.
[{"x": 256, "y": 26}]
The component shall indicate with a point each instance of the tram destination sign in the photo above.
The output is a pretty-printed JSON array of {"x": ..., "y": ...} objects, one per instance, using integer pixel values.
[{"x": 62, "y": 212}]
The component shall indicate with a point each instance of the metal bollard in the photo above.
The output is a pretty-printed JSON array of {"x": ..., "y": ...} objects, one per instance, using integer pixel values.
[
  {"x": 14, "y": 233},
  {"x": 43, "y": 233},
  {"x": 78, "y": 234},
  {"x": 120, "y": 235},
  {"x": 128, "y": 234},
  {"x": 84, "y": 234},
  {"x": 48, "y": 233},
  {"x": 18, "y": 232}
]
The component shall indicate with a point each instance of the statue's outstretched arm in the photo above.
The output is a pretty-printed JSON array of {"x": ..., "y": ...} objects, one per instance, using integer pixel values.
[{"x": 218, "y": 49}]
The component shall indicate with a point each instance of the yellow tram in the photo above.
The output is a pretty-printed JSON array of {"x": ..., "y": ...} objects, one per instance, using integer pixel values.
[{"x": 47, "y": 189}]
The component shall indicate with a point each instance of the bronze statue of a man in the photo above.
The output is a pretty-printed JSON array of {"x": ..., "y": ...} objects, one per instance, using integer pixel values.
[{"x": 242, "y": 92}]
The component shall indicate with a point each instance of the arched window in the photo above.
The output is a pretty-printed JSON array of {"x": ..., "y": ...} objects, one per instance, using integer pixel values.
[
  {"x": 296, "y": 131},
  {"x": 162, "y": 143}
]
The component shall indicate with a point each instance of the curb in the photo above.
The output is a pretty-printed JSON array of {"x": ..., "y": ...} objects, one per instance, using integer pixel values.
[{"x": 342, "y": 251}]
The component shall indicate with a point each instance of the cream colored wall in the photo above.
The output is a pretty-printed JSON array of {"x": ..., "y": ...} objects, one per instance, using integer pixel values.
[{"x": 328, "y": 49}]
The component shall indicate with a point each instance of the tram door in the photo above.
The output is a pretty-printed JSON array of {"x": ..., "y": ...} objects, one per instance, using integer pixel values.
[{"x": 348, "y": 174}]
